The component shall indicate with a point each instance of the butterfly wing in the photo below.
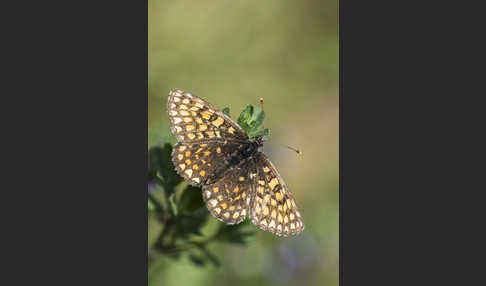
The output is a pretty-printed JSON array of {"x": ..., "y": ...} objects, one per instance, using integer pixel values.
[
  {"x": 228, "y": 199},
  {"x": 272, "y": 206},
  {"x": 193, "y": 120},
  {"x": 199, "y": 161}
]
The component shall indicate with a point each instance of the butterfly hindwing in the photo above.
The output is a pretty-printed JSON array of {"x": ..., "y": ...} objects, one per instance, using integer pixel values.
[
  {"x": 273, "y": 207},
  {"x": 228, "y": 199},
  {"x": 195, "y": 120}
]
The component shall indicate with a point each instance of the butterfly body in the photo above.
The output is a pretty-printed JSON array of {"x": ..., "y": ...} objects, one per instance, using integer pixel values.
[
  {"x": 213, "y": 152},
  {"x": 240, "y": 157}
]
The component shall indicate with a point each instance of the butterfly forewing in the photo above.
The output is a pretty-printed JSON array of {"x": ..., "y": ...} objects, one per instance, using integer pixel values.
[
  {"x": 199, "y": 161},
  {"x": 194, "y": 120},
  {"x": 273, "y": 207}
]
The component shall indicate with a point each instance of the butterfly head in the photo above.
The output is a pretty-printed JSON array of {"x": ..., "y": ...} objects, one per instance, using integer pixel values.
[{"x": 258, "y": 141}]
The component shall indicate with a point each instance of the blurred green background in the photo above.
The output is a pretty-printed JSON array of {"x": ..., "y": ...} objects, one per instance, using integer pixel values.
[{"x": 230, "y": 53}]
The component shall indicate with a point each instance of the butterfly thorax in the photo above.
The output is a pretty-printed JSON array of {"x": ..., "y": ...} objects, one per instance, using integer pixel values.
[
  {"x": 242, "y": 154},
  {"x": 249, "y": 149},
  {"x": 258, "y": 141}
]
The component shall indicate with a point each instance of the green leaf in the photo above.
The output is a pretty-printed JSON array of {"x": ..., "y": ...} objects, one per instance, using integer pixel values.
[
  {"x": 190, "y": 200},
  {"x": 260, "y": 133},
  {"x": 226, "y": 111},
  {"x": 245, "y": 118},
  {"x": 191, "y": 224},
  {"x": 173, "y": 205},
  {"x": 154, "y": 160},
  {"x": 154, "y": 203},
  {"x": 162, "y": 169},
  {"x": 266, "y": 132},
  {"x": 257, "y": 118}
]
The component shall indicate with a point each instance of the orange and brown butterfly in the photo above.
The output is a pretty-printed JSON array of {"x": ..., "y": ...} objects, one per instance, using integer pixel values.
[{"x": 237, "y": 180}]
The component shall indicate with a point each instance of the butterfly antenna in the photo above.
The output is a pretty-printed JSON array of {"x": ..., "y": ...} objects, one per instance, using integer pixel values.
[
  {"x": 261, "y": 103},
  {"x": 292, "y": 148},
  {"x": 288, "y": 147}
]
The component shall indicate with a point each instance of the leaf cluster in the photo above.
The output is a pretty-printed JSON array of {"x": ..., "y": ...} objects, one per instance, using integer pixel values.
[{"x": 251, "y": 119}]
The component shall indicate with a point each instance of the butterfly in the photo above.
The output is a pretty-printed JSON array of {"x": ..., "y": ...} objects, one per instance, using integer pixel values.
[{"x": 237, "y": 180}]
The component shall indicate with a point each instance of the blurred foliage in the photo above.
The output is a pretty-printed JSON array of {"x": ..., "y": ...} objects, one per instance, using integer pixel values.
[
  {"x": 231, "y": 53},
  {"x": 181, "y": 216}
]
